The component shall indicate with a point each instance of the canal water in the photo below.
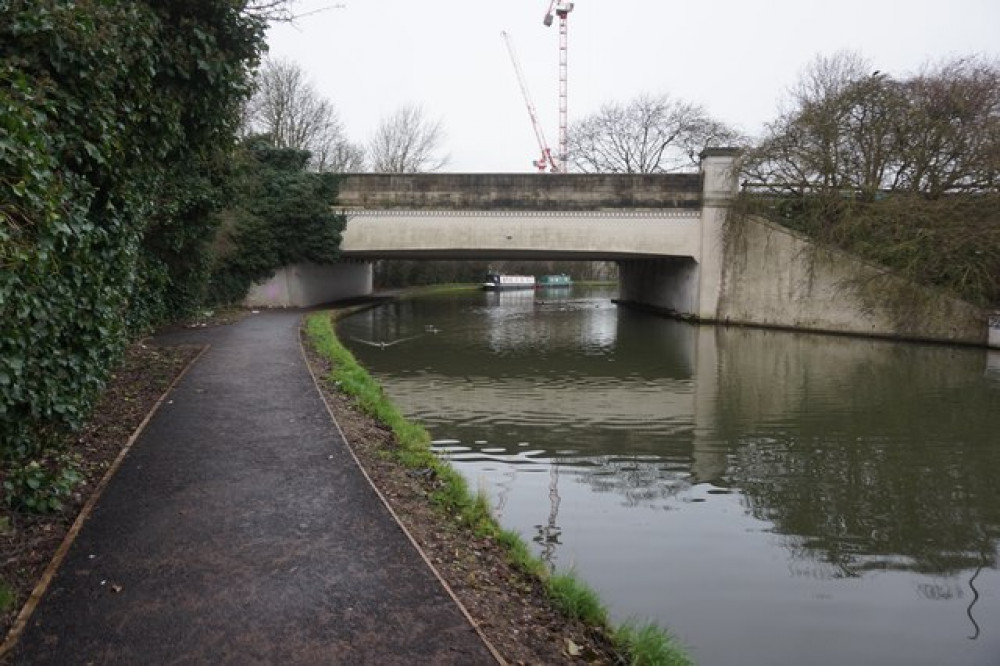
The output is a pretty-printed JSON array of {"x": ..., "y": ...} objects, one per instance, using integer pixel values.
[{"x": 771, "y": 497}]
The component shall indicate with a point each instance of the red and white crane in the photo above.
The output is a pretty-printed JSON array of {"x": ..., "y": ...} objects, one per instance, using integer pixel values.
[
  {"x": 561, "y": 9},
  {"x": 546, "y": 162}
]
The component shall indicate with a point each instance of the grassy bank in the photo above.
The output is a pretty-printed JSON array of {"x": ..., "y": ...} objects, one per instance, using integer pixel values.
[
  {"x": 409, "y": 292},
  {"x": 645, "y": 644}
]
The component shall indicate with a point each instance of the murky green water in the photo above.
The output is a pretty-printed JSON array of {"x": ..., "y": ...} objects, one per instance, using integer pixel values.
[{"x": 772, "y": 497}]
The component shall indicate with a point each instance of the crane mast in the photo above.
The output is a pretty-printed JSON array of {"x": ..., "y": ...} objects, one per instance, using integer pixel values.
[
  {"x": 546, "y": 160},
  {"x": 561, "y": 9}
]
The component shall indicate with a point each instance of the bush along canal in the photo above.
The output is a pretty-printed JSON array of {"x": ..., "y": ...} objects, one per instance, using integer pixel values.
[
  {"x": 771, "y": 497},
  {"x": 529, "y": 613}
]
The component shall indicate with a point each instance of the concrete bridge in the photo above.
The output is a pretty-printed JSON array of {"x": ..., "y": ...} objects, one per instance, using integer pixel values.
[
  {"x": 667, "y": 233},
  {"x": 663, "y": 230}
]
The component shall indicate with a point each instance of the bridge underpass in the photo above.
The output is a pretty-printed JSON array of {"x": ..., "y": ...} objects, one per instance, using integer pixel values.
[{"x": 655, "y": 250}]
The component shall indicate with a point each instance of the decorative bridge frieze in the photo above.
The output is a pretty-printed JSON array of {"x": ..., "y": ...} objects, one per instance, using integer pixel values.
[{"x": 616, "y": 213}]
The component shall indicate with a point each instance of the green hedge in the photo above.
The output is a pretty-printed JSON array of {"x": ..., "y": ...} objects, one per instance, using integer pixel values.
[{"x": 116, "y": 119}]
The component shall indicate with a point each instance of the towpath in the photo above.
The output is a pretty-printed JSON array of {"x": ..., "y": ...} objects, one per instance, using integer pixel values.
[{"x": 239, "y": 530}]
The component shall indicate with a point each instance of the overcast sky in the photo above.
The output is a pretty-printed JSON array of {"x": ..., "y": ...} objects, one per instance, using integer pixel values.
[{"x": 737, "y": 58}]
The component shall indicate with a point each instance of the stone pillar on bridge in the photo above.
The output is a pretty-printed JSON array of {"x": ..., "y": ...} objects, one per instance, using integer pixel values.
[{"x": 719, "y": 168}]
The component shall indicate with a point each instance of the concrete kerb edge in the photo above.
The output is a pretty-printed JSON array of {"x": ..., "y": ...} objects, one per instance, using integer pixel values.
[
  {"x": 385, "y": 502},
  {"x": 42, "y": 586}
]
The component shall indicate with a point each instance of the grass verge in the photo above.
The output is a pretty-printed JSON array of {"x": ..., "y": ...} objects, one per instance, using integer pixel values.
[
  {"x": 649, "y": 644},
  {"x": 440, "y": 288},
  {"x": 645, "y": 645}
]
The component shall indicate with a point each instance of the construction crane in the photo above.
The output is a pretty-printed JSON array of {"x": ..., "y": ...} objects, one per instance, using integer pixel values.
[
  {"x": 560, "y": 9},
  {"x": 546, "y": 161}
]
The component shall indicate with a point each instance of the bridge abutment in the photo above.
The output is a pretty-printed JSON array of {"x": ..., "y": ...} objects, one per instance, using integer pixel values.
[
  {"x": 668, "y": 284},
  {"x": 307, "y": 284},
  {"x": 689, "y": 286}
]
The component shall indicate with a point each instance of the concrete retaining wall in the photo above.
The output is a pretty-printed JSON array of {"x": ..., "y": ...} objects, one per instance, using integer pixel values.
[
  {"x": 307, "y": 284},
  {"x": 773, "y": 277}
]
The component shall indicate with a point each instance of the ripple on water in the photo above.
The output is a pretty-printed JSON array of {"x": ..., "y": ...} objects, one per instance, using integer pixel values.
[{"x": 450, "y": 449}]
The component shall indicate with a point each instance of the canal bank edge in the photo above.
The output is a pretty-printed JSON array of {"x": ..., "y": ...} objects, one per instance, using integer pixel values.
[{"x": 580, "y": 630}]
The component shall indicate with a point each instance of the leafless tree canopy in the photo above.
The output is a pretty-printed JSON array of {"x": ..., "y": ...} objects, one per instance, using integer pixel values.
[
  {"x": 283, "y": 11},
  {"x": 648, "y": 134},
  {"x": 344, "y": 157},
  {"x": 292, "y": 113},
  {"x": 272, "y": 10},
  {"x": 407, "y": 142},
  {"x": 851, "y": 128}
]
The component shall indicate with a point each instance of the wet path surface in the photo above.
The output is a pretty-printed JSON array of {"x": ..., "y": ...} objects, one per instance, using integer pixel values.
[{"x": 239, "y": 530}]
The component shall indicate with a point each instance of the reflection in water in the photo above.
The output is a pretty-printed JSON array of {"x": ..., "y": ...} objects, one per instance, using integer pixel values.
[
  {"x": 547, "y": 535},
  {"x": 972, "y": 603},
  {"x": 772, "y": 497},
  {"x": 993, "y": 365},
  {"x": 878, "y": 456}
]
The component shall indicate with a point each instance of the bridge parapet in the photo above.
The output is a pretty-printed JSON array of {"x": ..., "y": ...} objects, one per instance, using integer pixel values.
[{"x": 509, "y": 191}]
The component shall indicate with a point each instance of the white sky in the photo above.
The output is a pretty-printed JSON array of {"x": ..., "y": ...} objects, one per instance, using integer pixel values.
[{"x": 735, "y": 58}]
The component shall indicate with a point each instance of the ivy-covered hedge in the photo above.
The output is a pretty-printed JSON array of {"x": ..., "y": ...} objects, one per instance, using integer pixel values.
[
  {"x": 116, "y": 119},
  {"x": 280, "y": 215}
]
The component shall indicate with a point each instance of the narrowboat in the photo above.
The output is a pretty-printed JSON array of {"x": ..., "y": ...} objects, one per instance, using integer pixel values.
[
  {"x": 560, "y": 280},
  {"x": 498, "y": 282}
]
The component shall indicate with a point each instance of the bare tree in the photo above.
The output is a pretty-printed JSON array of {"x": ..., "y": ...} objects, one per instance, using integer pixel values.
[
  {"x": 287, "y": 108},
  {"x": 848, "y": 128},
  {"x": 836, "y": 132},
  {"x": 343, "y": 157},
  {"x": 648, "y": 134},
  {"x": 283, "y": 11},
  {"x": 950, "y": 138},
  {"x": 271, "y": 10},
  {"x": 407, "y": 142}
]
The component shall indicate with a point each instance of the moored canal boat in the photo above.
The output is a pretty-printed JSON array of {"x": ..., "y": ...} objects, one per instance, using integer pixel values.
[
  {"x": 559, "y": 280},
  {"x": 498, "y": 282}
]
